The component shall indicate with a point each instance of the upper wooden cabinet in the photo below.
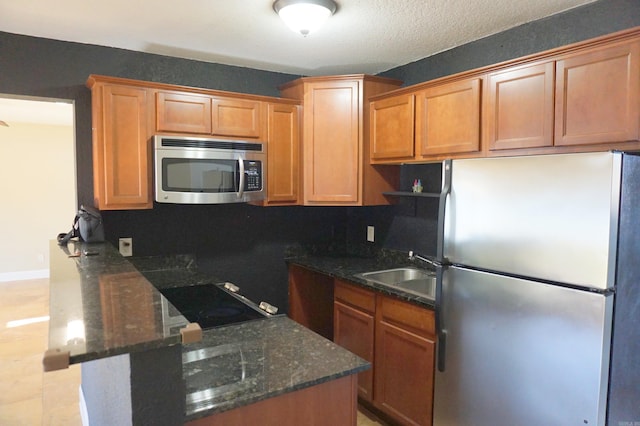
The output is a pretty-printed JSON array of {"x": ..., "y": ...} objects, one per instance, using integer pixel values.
[
  {"x": 183, "y": 113},
  {"x": 392, "y": 128},
  {"x": 122, "y": 130},
  {"x": 519, "y": 107},
  {"x": 283, "y": 154},
  {"x": 336, "y": 140},
  {"x": 210, "y": 115},
  {"x": 598, "y": 95},
  {"x": 448, "y": 118},
  {"x": 576, "y": 98}
]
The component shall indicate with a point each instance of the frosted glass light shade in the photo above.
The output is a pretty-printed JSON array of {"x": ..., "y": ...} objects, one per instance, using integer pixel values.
[{"x": 305, "y": 16}]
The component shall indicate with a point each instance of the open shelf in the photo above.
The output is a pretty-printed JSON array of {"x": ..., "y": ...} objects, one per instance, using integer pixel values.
[{"x": 413, "y": 194}]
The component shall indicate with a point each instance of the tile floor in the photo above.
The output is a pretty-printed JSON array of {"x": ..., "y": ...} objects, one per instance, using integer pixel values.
[{"x": 28, "y": 396}]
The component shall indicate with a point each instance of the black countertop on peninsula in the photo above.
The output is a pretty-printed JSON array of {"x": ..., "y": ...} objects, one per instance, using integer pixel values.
[
  {"x": 345, "y": 267},
  {"x": 101, "y": 305}
]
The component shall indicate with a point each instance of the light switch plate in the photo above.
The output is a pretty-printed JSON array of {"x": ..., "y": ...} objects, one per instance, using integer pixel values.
[
  {"x": 371, "y": 234},
  {"x": 125, "y": 245}
]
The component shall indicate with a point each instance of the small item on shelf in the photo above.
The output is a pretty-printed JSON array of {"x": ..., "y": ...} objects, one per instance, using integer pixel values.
[{"x": 417, "y": 185}]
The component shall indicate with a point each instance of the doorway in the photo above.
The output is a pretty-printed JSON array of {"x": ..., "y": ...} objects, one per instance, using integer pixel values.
[{"x": 37, "y": 182}]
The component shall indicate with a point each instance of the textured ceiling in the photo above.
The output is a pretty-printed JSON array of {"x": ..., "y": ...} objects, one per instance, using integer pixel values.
[{"x": 364, "y": 36}]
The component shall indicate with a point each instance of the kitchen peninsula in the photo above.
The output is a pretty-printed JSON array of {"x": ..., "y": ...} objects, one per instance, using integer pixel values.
[{"x": 137, "y": 368}]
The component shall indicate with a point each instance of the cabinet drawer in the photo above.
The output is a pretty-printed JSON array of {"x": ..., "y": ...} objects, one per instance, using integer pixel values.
[
  {"x": 419, "y": 320},
  {"x": 355, "y": 296}
]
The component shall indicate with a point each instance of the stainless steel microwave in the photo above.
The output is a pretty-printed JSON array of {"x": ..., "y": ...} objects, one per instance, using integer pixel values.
[{"x": 192, "y": 170}]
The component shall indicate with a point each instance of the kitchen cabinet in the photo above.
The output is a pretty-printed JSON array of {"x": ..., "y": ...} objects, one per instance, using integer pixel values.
[
  {"x": 311, "y": 300},
  {"x": 335, "y": 140},
  {"x": 398, "y": 338},
  {"x": 122, "y": 131},
  {"x": 283, "y": 154},
  {"x": 183, "y": 113},
  {"x": 404, "y": 361},
  {"x": 448, "y": 118},
  {"x": 325, "y": 404},
  {"x": 392, "y": 128},
  {"x": 520, "y": 107},
  {"x": 353, "y": 328},
  {"x": 598, "y": 95},
  {"x": 428, "y": 123},
  {"x": 210, "y": 115}
]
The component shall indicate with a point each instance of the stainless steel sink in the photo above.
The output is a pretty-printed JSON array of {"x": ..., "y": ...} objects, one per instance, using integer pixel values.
[{"x": 409, "y": 279}]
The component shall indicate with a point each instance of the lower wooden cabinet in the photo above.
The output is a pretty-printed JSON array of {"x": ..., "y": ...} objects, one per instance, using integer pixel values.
[
  {"x": 353, "y": 328},
  {"x": 404, "y": 361},
  {"x": 398, "y": 338}
]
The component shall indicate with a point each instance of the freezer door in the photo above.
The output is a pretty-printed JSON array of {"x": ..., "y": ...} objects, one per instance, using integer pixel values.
[
  {"x": 521, "y": 353},
  {"x": 551, "y": 217}
]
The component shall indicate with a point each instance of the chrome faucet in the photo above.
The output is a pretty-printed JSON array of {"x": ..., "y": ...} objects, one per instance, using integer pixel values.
[{"x": 413, "y": 256}]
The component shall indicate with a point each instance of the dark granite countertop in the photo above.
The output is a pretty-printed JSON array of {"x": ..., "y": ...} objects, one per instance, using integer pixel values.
[
  {"x": 245, "y": 363},
  {"x": 101, "y": 306},
  {"x": 346, "y": 267}
]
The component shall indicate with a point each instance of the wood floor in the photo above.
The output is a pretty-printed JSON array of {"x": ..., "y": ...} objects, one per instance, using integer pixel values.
[{"x": 28, "y": 396}]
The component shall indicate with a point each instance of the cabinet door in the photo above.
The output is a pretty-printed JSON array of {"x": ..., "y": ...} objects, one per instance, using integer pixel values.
[
  {"x": 448, "y": 118},
  {"x": 240, "y": 118},
  {"x": 392, "y": 128},
  {"x": 332, "y": 151},
  {"x": 283, "y": 147},
  {"x": 404, "y": 357},
  {"x": 121, "y": 148},
  {"x": 353, "y": 329},
  {"x": 183, "y": 113},
  {"x": 598, "y": 96},
  {"x": 519, "y": 107}
]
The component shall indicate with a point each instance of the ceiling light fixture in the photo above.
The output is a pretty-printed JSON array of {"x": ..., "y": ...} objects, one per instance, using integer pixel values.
[{"x": 304, "y": 16}]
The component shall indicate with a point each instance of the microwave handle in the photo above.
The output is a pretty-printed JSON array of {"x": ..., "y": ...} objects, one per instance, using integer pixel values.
[{"x": 240, "y": 192}]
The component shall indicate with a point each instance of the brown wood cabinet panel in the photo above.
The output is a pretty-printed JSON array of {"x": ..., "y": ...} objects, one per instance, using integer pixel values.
[
  {"x": 332, "y": 150},
  {"x": 283, "y": 154},
  {"x": 121, "y": 147},
  {"x": 404, "y": 363},
  {"x": 598, "y": 95},
  {"x": 353, "y": 329},
  {"x": 240, "y": 118},
  {"x": 448, "y": 118},
  {"x": 327, "y": 404},
  {"x": 392, "y": 128},
  {"x": 356, "y": 296},
  {"x": 519, "y": 107},
  {"x": 311, "y": 300},
  {"x": 335, "y": 142},
  {"x": 183, "y": 113}
]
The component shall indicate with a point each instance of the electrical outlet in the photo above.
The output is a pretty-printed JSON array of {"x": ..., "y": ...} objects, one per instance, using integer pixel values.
[
  {"x": 126, "y": 246},
  {"x": 371, "y": 234}
]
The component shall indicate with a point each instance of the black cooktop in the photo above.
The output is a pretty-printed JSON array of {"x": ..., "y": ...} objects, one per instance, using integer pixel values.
[{"x": 210, "y": 305}]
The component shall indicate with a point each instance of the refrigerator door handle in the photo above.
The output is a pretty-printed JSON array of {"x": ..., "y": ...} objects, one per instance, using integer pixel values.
[
  {"x": 441, "y": 264},
  {"x": 441, "y": 343}
]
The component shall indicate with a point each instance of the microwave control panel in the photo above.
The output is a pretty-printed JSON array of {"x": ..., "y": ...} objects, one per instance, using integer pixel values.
[{"x": 253, "y": 176}]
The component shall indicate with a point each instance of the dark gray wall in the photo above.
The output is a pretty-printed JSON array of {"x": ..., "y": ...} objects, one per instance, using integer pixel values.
[{"x": 582, "y": 23}]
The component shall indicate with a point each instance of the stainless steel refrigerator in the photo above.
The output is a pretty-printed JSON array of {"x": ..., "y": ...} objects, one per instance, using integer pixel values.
[{"x": 537, "y": 312}]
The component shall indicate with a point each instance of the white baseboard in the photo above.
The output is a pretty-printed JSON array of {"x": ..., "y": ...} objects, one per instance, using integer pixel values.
[
  {"x": 84, "y": 415},
  {"x": 24, "y": 275}
]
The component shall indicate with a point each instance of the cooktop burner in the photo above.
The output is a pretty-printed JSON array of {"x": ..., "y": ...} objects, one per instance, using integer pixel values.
[{"x": 210, "y": 305}]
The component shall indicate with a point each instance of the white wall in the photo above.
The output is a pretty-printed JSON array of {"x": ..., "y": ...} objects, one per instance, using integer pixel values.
[{"x": 37, "y": 195}]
